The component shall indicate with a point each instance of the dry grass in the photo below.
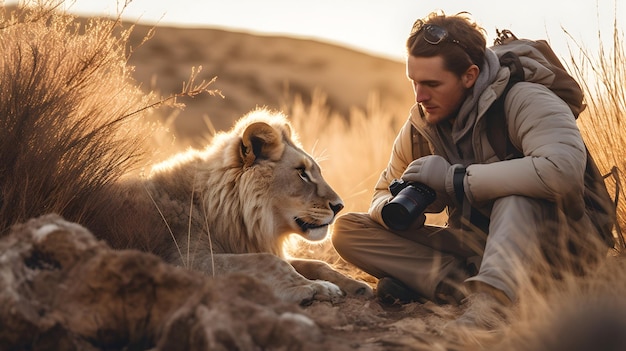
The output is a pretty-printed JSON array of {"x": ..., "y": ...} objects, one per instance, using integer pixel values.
[
  {"x": 40, "y": 130},
  {"x": 71, "y": 110},
  {"x": 352, "y": 151},
  {"x": 602, "y": 73}
]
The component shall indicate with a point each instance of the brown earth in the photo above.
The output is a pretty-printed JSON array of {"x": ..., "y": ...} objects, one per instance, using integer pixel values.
[
  {"x": 64, "y": 290},
  {"x": 61, "y": 289}
]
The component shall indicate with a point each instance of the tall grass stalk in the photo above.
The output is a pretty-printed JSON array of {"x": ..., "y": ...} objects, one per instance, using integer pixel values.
[{"x": 602, "y": 74}]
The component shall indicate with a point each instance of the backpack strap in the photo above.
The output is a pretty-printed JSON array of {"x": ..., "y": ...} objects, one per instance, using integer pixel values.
[
  {"x": 618, "y": 185},
  {"x": 600, "y": 208},
  {"x": 496, "y": 120}
]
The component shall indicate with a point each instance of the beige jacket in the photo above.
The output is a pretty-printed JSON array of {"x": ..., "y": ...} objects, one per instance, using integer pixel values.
[{"x": 539, "y": 124}]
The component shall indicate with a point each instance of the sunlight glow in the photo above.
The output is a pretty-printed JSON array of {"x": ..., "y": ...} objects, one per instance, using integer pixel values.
[{"x": 375, "y": 27}]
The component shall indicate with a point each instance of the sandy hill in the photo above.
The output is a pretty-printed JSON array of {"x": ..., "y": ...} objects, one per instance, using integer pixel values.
[{"x": 254, "y": 70}]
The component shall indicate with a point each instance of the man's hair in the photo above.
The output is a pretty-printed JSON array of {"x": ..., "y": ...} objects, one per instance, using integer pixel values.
[{"x": 457, "y": 57}]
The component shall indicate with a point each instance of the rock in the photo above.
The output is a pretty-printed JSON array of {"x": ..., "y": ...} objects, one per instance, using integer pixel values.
[{"x": 61, "y": 289}]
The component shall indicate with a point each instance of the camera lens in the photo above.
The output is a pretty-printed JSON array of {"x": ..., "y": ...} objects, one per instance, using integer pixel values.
[
  {"x": 404, "y": 208},
  {"x": 396, "y": 216}
]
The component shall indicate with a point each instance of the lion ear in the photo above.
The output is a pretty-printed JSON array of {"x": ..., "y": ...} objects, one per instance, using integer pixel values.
[{"x": 260, "y": 141}]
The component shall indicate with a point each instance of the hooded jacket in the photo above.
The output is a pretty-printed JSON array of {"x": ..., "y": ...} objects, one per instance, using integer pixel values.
[{"x": 539, "y": 124}]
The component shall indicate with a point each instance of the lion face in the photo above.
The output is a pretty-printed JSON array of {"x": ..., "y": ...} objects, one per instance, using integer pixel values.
[
  {"x": 298, "y": 197},
  {"x": 305, "y": 203}
]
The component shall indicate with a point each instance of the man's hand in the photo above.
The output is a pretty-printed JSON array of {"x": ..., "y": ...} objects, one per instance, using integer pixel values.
[
  {"x": 429, "y": 170},
  {"x": 435, "y": 172}
]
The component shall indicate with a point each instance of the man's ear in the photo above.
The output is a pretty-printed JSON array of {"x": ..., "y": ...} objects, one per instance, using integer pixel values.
[{"x": 470, "y": 76}]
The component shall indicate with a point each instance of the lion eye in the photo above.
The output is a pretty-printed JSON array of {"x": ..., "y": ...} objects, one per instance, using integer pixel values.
[{"x": 303, "y": 174}]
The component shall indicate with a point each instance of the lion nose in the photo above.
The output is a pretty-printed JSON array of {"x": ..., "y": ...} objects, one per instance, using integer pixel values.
[{"x": 336, "y": 207}]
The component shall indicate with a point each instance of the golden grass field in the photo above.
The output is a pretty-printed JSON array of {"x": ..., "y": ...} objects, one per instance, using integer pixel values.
[{"x": 346, "y": 107}]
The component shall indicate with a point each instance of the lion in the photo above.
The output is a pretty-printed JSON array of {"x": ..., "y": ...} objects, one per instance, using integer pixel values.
[
  {"x": 231, "y": 206},
  {"x": 73, "y": 138}
]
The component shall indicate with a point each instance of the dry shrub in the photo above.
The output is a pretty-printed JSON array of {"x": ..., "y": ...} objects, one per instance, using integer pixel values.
[{"x": 69, "y": 110}]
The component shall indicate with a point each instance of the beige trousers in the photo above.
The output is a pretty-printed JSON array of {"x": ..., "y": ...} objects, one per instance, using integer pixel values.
[{"x": 422, "y": 258}]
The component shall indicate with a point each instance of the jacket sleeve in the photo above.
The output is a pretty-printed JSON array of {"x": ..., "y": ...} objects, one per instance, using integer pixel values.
[
  {"x": 401, "y": 156},
  {"x": 542, "y": 126}
]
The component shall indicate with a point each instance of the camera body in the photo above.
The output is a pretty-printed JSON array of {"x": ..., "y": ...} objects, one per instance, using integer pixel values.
[{"x": 409, "y": 201}]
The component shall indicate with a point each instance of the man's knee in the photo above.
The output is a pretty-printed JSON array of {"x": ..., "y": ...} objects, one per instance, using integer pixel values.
[
  {"x": 525, "y": 206},
  {"x": 345, "y": 227}
]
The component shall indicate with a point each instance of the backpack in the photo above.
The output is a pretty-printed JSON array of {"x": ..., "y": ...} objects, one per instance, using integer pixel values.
[
  {"x": 512, "y": 52},
  {"x": 598, "y": 203}
]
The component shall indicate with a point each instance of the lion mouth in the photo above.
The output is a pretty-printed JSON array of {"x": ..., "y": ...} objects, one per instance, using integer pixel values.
[{"x": 305, "y": 226}]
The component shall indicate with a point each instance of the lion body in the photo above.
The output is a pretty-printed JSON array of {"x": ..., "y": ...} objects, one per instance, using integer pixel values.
[{"x": 230, "y": 208}]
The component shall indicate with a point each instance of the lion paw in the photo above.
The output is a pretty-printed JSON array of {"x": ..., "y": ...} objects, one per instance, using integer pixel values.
[
  {"x": 327, "y": 291},
  {"x": 314, "y": 290}
]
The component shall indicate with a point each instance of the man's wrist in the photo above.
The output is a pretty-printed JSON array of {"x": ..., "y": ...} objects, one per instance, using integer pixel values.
[{"x": 457, "y": 183}]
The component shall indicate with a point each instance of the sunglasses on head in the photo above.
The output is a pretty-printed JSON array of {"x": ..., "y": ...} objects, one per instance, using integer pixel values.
[{"x": 434, "y": 34}]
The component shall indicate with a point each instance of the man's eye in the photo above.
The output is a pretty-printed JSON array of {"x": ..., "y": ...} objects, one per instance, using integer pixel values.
[{"x": 303, "y": 174}]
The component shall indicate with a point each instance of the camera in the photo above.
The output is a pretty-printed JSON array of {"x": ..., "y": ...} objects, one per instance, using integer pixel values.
[{"x": 409, "y": 201}]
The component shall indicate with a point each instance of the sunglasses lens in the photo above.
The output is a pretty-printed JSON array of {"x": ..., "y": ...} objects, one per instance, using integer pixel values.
[{"x": 434, "y": 34}]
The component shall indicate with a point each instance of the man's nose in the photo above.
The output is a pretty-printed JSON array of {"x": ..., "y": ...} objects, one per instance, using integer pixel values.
[{"x": 420, "y": 94}]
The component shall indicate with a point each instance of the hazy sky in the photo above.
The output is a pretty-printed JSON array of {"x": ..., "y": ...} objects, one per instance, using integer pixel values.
[{"x": 380, "y": 26}]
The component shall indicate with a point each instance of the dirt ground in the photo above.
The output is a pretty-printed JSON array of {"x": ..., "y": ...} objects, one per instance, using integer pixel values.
[
  {"x": 368, "y": 325},
  {"x": 61, "y": 289}
]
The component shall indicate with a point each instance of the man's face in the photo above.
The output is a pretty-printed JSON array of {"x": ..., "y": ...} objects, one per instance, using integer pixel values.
[{"x": 439, "y": 91}]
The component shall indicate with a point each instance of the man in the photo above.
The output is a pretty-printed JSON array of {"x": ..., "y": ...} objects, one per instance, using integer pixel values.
[{"x": 505, "y": 217}]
